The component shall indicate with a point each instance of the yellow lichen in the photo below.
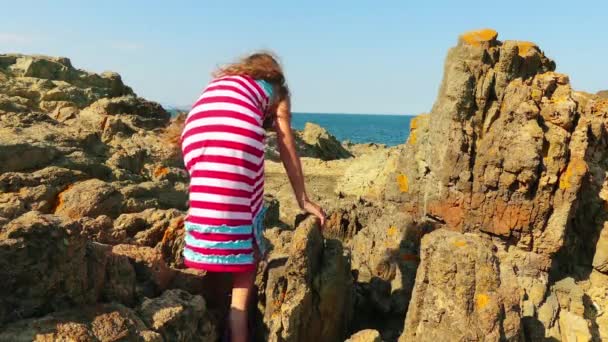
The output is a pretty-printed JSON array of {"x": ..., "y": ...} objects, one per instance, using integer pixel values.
[
  {"x": 576, "y": 168},
  {"x": 481, "y": 301},
  {"x": 392, "y": 230},
  {"x": 524, "y": 47},
  {"x": 537, "y": 94},
  {"x": 403, "y": 183},
  {"x": 475, "y": 38},
  {"x": 460, "y": 243},
  {"x": 412, "y": 139}
]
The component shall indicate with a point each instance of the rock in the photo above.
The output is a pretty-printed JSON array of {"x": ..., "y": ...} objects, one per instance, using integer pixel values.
[
  {"x": 600, "y": 260},
  {"x": 105, "y": 322},
  {"x": 179, "y": 316},
  {"x": 573, "y": 327},
  {"x": 458, "y": 292},
  {"x": 42, "y": 258},
  {"x": 325, "y": 145},
  {"x": 368, "y": 335},
  {"x": 603, "y": 94},
  {"x": 312, "y": 142},
  {"x": 152, "y": 273},
  {"x": 147, "y": 227},
  {"x": 307, "y": 289},
  {"x": 368, "y": 175},
  {"x": 162, "y": 195},
  {"x": 89, "y": 198},
  {"x": 120, "y": 283}
]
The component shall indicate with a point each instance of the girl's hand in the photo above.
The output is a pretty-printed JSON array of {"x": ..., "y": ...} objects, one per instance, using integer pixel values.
[{"x": 314, "y": 209}]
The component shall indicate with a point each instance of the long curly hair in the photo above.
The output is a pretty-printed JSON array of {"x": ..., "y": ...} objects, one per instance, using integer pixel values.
[{"x": 263, "y": 65}]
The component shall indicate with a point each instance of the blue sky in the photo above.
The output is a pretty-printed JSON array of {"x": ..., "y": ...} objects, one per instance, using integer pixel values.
[{"x": 340, "y": 56}]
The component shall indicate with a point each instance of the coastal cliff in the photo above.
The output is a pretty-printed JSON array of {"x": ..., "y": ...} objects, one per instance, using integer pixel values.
[{"x": 489, "y": 223}]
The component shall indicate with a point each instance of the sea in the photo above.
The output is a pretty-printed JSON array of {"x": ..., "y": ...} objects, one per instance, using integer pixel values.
[{"x": 389, "y": 130}]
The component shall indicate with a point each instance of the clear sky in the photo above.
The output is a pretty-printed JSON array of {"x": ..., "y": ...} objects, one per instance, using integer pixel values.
[{"x": 340, "y": 56}]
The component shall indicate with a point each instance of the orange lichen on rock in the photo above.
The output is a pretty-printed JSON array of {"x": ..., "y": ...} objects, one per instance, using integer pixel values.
[
  {"x": 60, "y": 201},
  {"x": 576, "y": 168},
  {"x": 477, "y": 37},
  {"x": 160, "y": 171},
  {"x": 524, "y": 47},
  {"x": 403, "y": 182},
  {"x": 171, "y": 231}
]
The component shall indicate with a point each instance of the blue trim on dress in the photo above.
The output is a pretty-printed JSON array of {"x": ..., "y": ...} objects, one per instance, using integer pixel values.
[
  {"x": 233, "y": 244},
  {"x": 235, "y": 259},
  {"x": 223, "y": 229},
  {"x": 258, "y": 231}
]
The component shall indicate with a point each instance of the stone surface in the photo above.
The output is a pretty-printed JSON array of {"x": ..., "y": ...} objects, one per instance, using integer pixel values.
[
  {"x": 312, "y": 142},
  {"x": 458, "y": 292},
  {"x": 305, "y": 295},
  {"x": 43, "y": 260},
  {"x": 107, "y": 322},
  {"x": 365, "y": 336},
  {"x": 89, "y": 198},
  {"x": 152, "y": 273},
  {"x": 178, "y": 316}
]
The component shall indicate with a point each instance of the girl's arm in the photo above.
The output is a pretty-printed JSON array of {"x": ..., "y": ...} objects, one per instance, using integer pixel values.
[{"x": 291, "y": 161}]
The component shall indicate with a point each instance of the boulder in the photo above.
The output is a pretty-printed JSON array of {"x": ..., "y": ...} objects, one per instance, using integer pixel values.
[
  {"x": 89, "y": 198},
  {"x": 178, "y": 316},
  {"x": 152, "y": 273},
  {"x": 459, "y": 293},
  {"x": 367, "y": 335},
  {"x": 600, "y": 259},
  {"x": 312, "y": 142},
  {"x": 43, "y": 260},
  {"x": 105, "y": 322},
  {"x": 306, "y": 294}
]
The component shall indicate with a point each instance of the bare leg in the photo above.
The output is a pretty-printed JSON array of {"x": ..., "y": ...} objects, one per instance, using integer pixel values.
[{"x": 241, "y": 291}]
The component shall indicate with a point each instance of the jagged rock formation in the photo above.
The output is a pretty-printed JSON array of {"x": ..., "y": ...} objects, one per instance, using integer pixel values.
[{"x": 509, "y": 151}]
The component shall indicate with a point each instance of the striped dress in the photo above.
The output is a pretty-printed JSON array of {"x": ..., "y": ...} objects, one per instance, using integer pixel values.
[{"x": 223, "y": 150}]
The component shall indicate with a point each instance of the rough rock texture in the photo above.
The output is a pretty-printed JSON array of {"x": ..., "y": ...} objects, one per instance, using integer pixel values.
[
  {"x": 459, "y": 292},
  {"x": 305, "y": 289},
  {"x": 510, "y": 151},
  {"x": 107, "y": 322},
  {"x": 43, "y": 267},
  {"x": 178, "y": 316}
]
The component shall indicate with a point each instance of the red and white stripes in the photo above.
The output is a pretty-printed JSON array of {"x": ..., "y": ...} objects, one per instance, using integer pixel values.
[{"x": 223, "y": 149}]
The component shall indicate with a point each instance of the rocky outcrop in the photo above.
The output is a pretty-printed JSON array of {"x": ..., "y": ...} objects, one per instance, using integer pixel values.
[
  {"x": 509, "y": 151},
  {"x": 312, "y": 142},
  {"x": 305, "y": 289}
]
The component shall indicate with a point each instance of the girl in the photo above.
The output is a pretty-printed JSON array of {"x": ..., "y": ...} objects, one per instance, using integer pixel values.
[{"x": 222, "y": 145}]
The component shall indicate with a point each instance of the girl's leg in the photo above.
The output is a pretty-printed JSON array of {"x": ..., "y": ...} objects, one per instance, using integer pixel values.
[{"x": 241, "y": 293}]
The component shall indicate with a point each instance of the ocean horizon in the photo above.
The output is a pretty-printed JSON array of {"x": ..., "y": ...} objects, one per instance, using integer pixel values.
[{"x": 387, "y": 129}]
